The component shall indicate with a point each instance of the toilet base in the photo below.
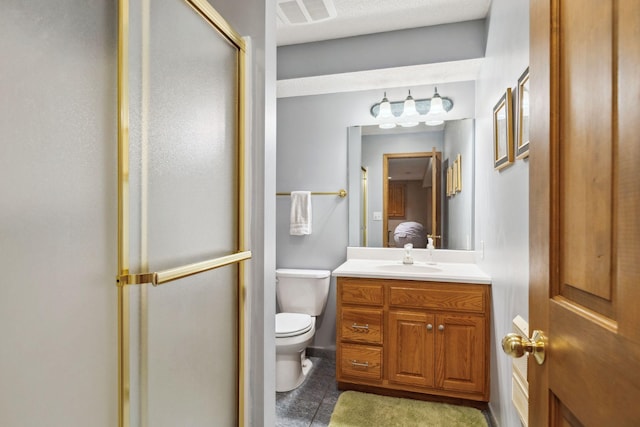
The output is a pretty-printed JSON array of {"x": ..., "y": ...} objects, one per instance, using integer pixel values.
[
  {"x": 307, "y": 364},
  {"x": 291, "y": 370}
]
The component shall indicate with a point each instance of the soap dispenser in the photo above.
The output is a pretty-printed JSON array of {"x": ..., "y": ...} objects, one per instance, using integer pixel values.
[{"x": 430, "y": 248}]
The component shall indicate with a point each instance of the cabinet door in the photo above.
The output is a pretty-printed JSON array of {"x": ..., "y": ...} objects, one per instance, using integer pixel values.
[
  {"x": 460, "y": 359},
  {"x": 396, "y": 200},
  {"x": 411, "y": 348}
]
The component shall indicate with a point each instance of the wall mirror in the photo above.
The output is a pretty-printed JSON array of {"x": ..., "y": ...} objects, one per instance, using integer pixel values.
[{"x": 398, "y": 182}]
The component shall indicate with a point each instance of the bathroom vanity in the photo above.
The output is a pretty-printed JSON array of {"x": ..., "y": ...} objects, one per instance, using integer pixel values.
[{"x": 417, "y": 329}]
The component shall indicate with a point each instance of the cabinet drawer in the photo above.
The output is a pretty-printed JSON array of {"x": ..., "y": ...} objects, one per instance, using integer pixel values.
[
  {"x": 361, "y": 324},
  {"x": 361, "y": 292},
  {"x": 470, "y": 298},
  {"x": 359, "y": 361}
]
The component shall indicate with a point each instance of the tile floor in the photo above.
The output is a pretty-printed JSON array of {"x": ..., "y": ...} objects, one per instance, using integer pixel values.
[{"x": 311, "y": 404}]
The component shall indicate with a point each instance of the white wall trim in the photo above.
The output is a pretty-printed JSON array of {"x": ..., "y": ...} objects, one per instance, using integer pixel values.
[{"x": 413, "y": 75}]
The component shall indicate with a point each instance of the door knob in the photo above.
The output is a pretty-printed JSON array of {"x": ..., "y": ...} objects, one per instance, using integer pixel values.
[{"x": 517, "y": 346}]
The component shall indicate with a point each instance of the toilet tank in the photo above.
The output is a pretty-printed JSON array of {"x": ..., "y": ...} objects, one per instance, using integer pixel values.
[{"x": 302, "y": 291}]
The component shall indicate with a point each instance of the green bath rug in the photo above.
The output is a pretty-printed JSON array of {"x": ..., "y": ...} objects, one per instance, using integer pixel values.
[{"x": 355, "y": 409}]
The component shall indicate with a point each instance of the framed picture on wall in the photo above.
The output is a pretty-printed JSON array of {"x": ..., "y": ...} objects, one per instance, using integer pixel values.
[
  {"x": 503, "y": 131},
  {"x": 459, "y": 170},
  {"x": 522, "y": 139},
  {"x": 454, "y": 178}
]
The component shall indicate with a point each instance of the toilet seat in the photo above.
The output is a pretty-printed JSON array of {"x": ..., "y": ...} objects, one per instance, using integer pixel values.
[{"x": 292, "y": 324}]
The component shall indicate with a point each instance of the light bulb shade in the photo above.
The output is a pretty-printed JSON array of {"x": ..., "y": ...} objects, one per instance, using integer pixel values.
[
  {"x": 385, "y": 109},
  {"x": 436, "y": 106},
  {"x": 434, "y": 122},
  {"x": 387, "y": 125},
  {"x": 409, "y": 108},
  {"x": 409, "y": 117},
  {"x": 385, "y": 116}
]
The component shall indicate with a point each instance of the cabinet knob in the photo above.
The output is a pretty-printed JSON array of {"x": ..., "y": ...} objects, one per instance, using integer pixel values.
[
  {"x": 441, "y": 327},
  {"x": 429, "y": 326}
]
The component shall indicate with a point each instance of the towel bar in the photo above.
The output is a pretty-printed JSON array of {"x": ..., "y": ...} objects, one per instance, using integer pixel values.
[{"x": 341, "y": 193}]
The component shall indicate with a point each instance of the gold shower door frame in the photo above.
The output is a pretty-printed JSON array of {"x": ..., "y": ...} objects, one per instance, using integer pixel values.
[{"x": 125, "y": 277}]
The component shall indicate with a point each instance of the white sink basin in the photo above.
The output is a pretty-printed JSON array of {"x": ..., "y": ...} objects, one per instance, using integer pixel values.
[
  {"x": 408, "y": 268},
  {"x": 386, "y": 263}
]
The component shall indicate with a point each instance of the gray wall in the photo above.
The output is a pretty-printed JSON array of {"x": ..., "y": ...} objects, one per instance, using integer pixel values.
[
  {"x": 464, "y": 40},
  {"x": 58, "y": 224},
  {"x": 459, "y": 216},
  {"x": 256, "y": 19},
  {"x": 502, "y": 198}
]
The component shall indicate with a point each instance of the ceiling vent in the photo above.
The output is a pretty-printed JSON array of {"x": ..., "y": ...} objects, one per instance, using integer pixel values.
[{"x": 299, "y": 12}]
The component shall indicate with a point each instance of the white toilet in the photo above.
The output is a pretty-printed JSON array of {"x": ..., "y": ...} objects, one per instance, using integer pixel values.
[{"x": 301, "y": 296}]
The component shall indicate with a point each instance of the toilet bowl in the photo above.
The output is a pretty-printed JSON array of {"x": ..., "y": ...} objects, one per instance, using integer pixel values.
[
  {"x": 301, "y": 296},
  {"x": 294, "y": 332}
]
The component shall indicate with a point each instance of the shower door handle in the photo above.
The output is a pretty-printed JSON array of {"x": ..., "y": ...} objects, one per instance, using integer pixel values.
[{"x": 176, "y": 273}]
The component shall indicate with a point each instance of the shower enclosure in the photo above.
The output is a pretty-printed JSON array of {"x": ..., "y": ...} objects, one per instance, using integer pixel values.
[{"x": 181, "y": 215}]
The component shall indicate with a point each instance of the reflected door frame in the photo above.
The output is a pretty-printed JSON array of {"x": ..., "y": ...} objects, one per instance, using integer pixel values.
[
  {"x": 364, "y": 190},
  {"x": 436, "y": 193}
]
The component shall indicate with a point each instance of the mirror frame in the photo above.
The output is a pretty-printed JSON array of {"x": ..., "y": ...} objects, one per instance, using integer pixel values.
[{"x": 465, "y": 238}]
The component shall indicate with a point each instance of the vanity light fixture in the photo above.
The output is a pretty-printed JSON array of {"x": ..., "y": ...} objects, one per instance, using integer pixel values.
[{"x": 411, "y": 112}]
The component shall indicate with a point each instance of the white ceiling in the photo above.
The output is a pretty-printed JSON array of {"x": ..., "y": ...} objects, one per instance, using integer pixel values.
[
  {"x": 358, "y": 17},
  {"x": 408, "y": 168}
]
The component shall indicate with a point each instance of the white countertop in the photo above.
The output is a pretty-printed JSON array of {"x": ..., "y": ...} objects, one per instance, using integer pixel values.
[{"x": 457, "y": 272}]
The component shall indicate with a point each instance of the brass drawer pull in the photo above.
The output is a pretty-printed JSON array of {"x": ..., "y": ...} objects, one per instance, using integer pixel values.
[
  {"x": 356, "y": 363},
  {"x": 360, "y": 327}
]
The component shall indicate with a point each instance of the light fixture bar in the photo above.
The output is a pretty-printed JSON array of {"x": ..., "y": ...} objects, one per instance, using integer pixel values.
[{"x": 422, "y": 106}]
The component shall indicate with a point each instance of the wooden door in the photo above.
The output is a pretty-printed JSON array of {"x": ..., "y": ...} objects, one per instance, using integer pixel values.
[
  {"x": 584, "y": 212},
  {"x": 411, "y": 348},
  {"x": 460, "y": 352}
]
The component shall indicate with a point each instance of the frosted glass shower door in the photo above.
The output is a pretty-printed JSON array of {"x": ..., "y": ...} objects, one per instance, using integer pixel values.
[{"x": 182, "y": 213}]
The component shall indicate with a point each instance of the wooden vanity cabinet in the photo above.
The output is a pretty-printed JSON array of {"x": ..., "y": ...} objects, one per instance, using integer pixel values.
[
  {"x": 360, "y": 325},
  {"x": 414, "y": 336}
]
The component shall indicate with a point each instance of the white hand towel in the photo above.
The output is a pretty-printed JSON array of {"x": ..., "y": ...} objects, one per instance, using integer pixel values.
[{"x": 300, "y": 213}]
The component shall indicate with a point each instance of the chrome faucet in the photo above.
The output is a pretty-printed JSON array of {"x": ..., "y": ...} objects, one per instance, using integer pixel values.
[{"x": 407, "y": 259}]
